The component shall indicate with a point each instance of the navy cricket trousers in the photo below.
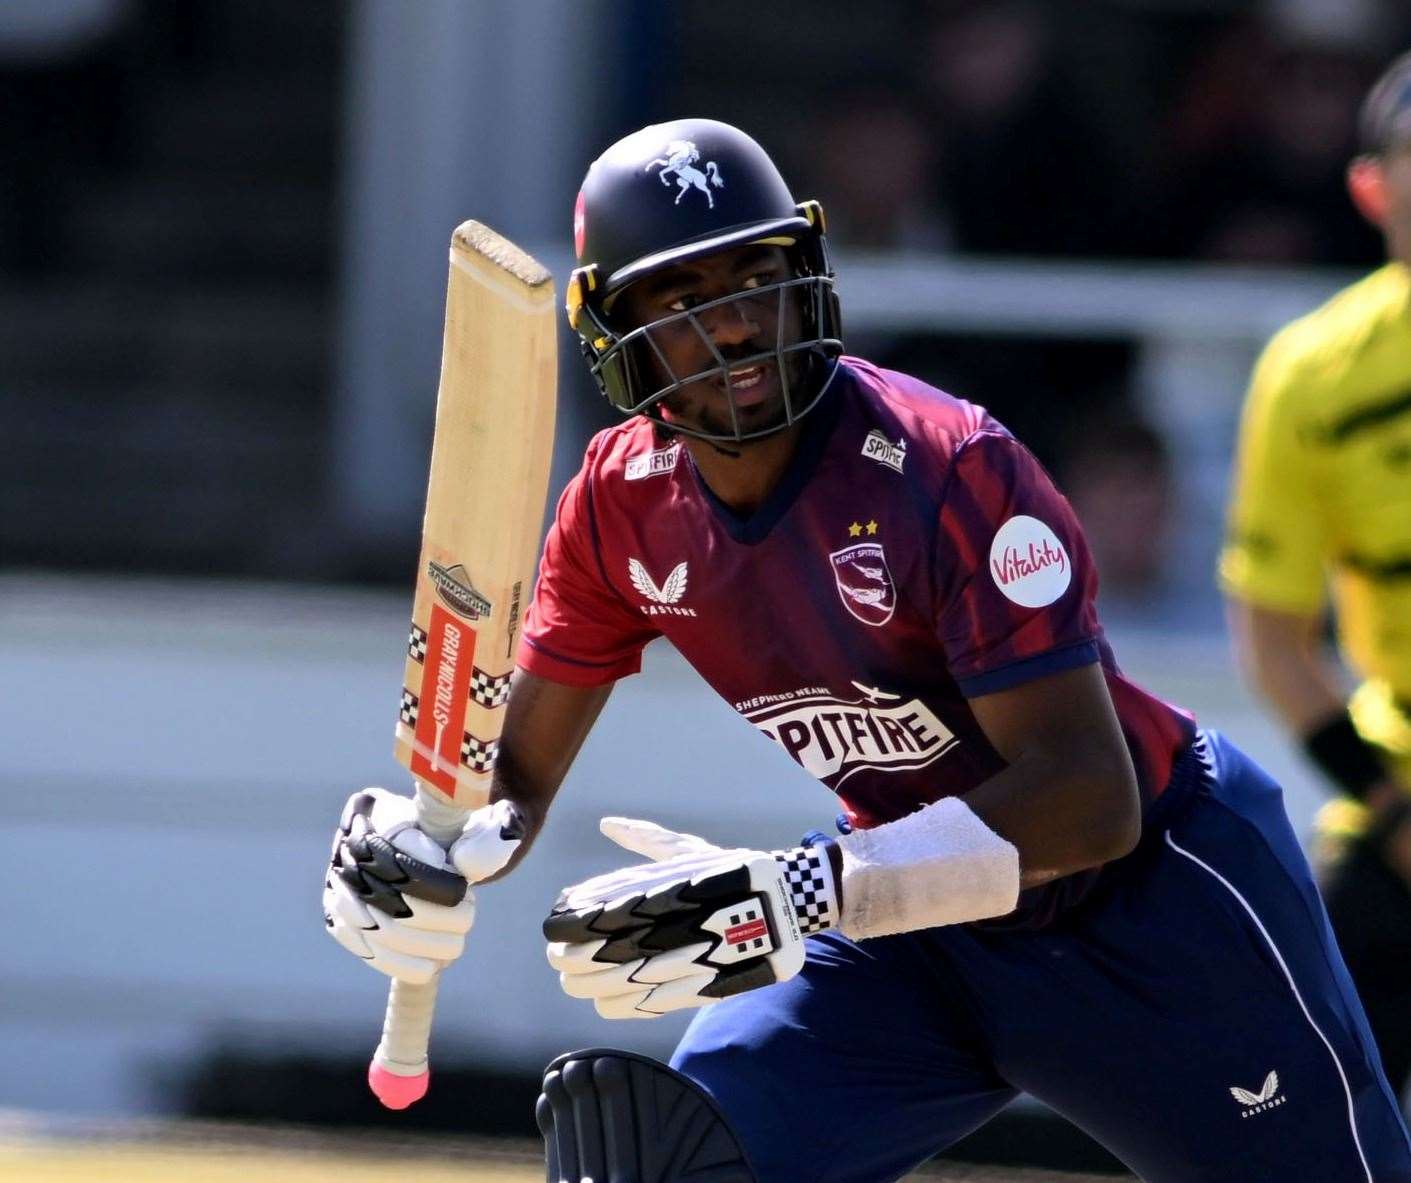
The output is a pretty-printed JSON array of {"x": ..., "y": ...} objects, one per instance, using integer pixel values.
[{"x": 1193, "y": 1015}]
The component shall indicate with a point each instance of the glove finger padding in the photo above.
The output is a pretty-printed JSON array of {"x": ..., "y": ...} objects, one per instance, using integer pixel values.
[
  {"x": 643, "y": 878},
  {"x": 385, "y": 944},
  {"x": 655, "y": 1001},
  {"x": 576, "y": 957},
  {"x": 390, "y": 896},
  {"x": 688, "y": 931},
  {"x": 381, "y": 855},
  {"x": 651, "y": 840}
]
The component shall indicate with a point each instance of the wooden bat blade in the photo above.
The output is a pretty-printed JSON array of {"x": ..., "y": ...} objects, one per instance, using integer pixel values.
[{"x": 484, "y": 505}]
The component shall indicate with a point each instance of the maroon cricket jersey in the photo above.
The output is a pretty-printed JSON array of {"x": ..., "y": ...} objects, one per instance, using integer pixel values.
[{"x": 914, "y": 555}]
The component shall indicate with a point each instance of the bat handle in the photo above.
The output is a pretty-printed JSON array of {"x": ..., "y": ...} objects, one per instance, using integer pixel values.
[{"x": 400, "y": 1070}]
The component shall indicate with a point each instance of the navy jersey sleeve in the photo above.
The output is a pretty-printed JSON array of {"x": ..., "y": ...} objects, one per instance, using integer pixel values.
[
  {"x": 1014, "y": 580},
  {"x": 578, "y": 629}
]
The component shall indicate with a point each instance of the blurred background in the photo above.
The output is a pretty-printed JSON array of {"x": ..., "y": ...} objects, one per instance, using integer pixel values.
[{"x": 223, "y": 231}]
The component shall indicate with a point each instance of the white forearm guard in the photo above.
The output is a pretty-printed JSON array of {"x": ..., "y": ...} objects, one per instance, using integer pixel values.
[{"x": 939, "y": 865}]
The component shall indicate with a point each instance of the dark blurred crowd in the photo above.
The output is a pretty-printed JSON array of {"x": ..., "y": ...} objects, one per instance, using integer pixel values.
[
  {"x": 1089, "y": 129},
  {"x": 1077, "y": 128}
]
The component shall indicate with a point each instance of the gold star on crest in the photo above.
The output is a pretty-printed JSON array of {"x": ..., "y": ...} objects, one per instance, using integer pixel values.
[
  {"x": 855, "y": 529},
  {"x": 872, "y": 527}
]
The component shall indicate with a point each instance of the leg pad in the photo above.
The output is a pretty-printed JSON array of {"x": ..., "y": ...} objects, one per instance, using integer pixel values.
[{"x": 617, "y": 1117}]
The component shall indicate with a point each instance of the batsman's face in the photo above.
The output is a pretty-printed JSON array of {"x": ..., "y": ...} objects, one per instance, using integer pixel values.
[{"x": 726, "y": 323}]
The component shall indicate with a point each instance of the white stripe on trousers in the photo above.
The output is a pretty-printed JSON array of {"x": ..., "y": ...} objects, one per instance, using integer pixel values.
[{"x": 1283, "y": 965}]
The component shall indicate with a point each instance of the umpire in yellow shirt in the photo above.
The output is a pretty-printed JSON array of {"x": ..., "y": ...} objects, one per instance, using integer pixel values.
[{"x": 1322, "y": 512}]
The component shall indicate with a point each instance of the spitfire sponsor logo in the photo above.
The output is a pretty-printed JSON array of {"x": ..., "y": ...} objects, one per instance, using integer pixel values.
[
  {"x": 1028, "y": 563},
  {"x": 653, "y": 463},
  {"x": 879, "y": 448},
  {"x": 833, "y": 737},
  {"x": 453, "y": 586},
  {"x": 864, "y": 582},
  {"x": 664, "y": 599},
  {"x": 678, "y": 162}
]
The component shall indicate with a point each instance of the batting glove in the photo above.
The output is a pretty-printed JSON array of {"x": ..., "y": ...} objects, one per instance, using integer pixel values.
[
  {"x": 394, "y": 897},
  {"x": 695, "y": 925}
]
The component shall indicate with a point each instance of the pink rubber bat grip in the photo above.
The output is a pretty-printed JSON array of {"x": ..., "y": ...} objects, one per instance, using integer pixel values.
[{"x": 400, "y": 1070}]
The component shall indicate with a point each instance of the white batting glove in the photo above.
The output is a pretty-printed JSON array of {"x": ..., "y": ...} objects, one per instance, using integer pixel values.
[
  {"x": 697, "y": 924},
  {"x": 393, "y": 897}
]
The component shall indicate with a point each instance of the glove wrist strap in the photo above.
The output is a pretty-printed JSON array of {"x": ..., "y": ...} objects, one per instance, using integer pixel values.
[{"x": 812, "y": 889}]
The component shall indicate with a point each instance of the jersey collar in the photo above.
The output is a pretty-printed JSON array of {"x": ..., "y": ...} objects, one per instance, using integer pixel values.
[{"x": 815, "y": 430}]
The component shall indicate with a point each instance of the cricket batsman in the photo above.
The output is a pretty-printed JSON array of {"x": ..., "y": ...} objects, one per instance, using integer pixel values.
[
  {"x": 1044, "y": 879},
  {"x": 1322, "y": 504}
]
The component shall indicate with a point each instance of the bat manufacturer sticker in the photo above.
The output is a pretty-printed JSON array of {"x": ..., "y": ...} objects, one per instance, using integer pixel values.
[
  {"x": 1028, "y": 562},
  {"x": 454, "y": 588},
  {"x": 864, "y": 582},
  {"x": 445, "y": 694},
  {"x": 512, "y": 619}
]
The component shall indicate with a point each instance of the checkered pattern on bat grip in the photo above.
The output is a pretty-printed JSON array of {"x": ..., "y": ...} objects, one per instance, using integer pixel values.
[
  {"x": 489, "y": 690},
  {"x": 479, "y": 754}
]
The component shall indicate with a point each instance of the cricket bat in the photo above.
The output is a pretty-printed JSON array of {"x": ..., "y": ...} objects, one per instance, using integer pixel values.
[{"x": 479, "y": 544}]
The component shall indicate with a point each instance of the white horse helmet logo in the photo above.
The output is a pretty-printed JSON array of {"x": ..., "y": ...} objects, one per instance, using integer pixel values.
[{"x": 679, "y": 159}]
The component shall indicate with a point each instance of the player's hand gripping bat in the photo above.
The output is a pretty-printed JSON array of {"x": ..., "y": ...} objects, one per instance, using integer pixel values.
[{"x": 484, "y": 508}]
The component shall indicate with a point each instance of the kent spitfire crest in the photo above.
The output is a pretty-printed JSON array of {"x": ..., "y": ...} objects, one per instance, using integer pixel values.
[{"x": 864, "y": 582}]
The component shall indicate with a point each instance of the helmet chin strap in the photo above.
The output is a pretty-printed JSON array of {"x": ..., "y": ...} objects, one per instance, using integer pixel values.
[{"x": 666, "y": 432}]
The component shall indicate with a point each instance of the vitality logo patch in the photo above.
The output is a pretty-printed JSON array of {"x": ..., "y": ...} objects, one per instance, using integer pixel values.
[{"x": 1028, "y": 563}]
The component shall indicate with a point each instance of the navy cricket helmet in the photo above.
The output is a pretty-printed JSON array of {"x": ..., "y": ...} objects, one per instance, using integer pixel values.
[{"x": 677, "y": 191}]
